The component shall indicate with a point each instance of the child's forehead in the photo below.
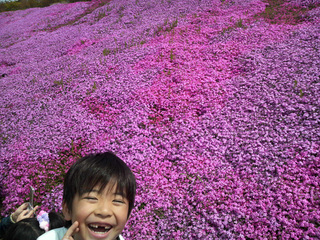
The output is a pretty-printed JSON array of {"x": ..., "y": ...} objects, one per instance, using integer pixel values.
[{"x": 110, "y": 187}]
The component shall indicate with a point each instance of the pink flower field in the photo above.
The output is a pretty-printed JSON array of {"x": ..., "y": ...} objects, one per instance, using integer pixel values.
[{"x": 214, "y": 105}]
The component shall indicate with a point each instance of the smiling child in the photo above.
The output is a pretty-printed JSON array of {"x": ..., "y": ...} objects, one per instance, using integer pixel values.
[{"x": 99, "y": 193}]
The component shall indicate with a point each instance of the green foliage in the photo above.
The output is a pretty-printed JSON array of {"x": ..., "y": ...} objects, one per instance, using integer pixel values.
[
  {"x": 142, "y": 205},
  {"x": 142, "y": 125},
  {"x": 166, "y": 26},
  {"x": 94, "y": 87},
  {"x": 4, "y": 138},
  {"x": 92, "y": 90},
  {"x": 239, "y": 24},
  {"x": 301, "y": 94},
  {"x": 272, "y": 8},
  {"x": 101, "y": 15},
  {"x": 58, "y": 83},
  {"x": 9, "y": 6},
  {"x": 172, "y": 55},
  {"x": 173, "y": 24},
  {"x": 278, "y": 11},
  {"x": 24, "y": 4},
  {"x": 106, "y": 52}
]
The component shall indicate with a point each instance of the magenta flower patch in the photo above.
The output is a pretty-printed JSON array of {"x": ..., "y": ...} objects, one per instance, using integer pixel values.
[{"x": 214, "y": 105}]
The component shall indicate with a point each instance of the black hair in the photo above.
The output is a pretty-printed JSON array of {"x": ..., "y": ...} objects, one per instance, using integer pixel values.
[
  {"x": 26, "y": 229},
  {"x": 99, "y": 170},
  {"x": 56, "y": 220},
  {"x": 29, "y": 229}
]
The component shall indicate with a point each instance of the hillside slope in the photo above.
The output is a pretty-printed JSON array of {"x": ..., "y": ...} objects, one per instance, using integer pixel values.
[{"x": 214, "y": 105}]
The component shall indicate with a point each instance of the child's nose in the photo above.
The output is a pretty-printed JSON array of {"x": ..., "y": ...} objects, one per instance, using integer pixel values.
[{"x": 103, "y": 210}]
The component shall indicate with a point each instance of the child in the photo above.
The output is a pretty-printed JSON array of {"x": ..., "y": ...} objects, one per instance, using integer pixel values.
[
  {"x": 32, "y": 228},
  {"x": 98, "y": 196}
]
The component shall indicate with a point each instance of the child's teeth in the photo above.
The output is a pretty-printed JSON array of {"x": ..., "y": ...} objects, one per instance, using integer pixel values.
[{"x": 97, "y": 226}]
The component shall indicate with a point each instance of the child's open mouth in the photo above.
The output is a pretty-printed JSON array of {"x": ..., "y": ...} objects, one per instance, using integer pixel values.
[{"x": 99, "y": 229}]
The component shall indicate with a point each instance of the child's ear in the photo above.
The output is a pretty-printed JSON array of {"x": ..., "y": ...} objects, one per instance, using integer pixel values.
[{"x": 66, "y": 212}]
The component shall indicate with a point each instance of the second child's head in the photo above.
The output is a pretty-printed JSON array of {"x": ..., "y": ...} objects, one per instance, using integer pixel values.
[
  {"x": 30, "y": 229},
  {"x": 99, "y": 193}
]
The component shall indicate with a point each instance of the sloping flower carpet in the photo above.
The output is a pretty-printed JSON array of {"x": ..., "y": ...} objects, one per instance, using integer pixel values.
[{"x": 214, "y": 105}]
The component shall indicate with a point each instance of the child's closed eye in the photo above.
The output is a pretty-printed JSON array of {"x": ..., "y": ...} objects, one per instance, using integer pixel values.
[
  {"x": 119, "y": 201},
  {"x": 90, "y": 198}
]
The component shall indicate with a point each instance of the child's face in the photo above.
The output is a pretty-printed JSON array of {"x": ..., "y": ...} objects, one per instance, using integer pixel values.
[{"x": 101, "y": 216}]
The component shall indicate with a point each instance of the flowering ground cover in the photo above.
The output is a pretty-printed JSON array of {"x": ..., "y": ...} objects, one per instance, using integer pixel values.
[{"x": 214, "y": 105}]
